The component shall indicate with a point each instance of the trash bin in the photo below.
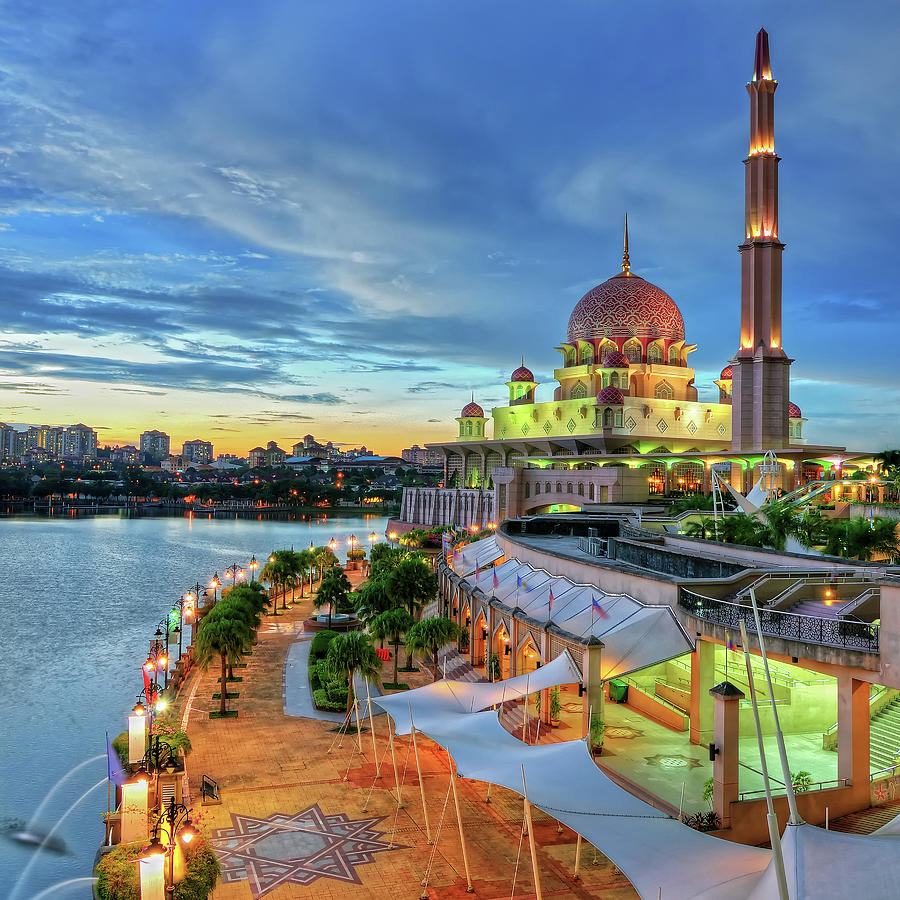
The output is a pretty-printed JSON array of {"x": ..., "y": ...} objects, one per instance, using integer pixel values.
[{"x": 618, "y": 691}]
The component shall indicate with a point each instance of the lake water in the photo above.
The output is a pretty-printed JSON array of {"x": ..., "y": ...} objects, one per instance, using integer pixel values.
[{"x": 80, "y": 600}]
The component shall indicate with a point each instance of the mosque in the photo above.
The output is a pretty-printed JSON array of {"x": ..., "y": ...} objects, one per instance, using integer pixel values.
[{"x": 625, "y": 421}]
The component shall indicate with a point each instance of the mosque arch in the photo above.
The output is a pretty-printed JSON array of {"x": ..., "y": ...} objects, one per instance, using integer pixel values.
[
  {"x": 614, "y": 379},
  {"x": 674, "y": 356},
  {"x": 655, "y": 353},
  {"x": 633, "y": 350},
  {"x": 579, "y": 391},
  {"x": 608, "y": 418},
  {"x": 587, "y": 355},
  {"x": 664, "y": 391}
]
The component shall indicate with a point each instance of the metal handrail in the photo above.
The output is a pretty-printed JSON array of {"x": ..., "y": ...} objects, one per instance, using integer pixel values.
[
  {"x": 790, "y": 626},
  {"x": 813, "y": 786},
  {"x": 874, "y": 775},
  {"x": 632, "y": 683}
]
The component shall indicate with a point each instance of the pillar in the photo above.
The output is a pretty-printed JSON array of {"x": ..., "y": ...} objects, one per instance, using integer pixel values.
[
  {"x": 703, "y": 676},
  {"x": 593, "y": 682},
  {"x": 726, "y": 737},
  {"x": 853, "y": 730}
]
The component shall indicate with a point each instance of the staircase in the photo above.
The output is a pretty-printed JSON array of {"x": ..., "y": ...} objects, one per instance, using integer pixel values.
[
  {"x": 884, "y": 736},
  {"x": 817, "y": 608}
]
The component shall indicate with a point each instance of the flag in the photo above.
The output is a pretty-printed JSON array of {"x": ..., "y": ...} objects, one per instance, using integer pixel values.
[
  {"x": 477, "y": 571},
  {"x": 550, "y": 599},
  {"x": 518, "y": 581},
  {"x": 730, "y": 640},
  {"x": 496, "y": 580},
  {"x": 595, "y": 605},
  {"x": 115, "y": 772},
  {"x": 148, "y": 686}
]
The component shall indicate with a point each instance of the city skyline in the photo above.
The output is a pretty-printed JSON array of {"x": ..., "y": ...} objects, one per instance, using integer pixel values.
[{"x": 243, "y": 227}]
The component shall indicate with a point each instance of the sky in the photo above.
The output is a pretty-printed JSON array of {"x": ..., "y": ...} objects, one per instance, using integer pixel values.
[{"x": 251, "y": 221}]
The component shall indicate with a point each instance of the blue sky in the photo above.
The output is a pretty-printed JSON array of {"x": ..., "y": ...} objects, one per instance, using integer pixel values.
[{"x": 250, "y": 221}]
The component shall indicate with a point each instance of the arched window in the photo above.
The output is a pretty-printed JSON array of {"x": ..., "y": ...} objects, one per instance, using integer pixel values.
[
  {"x": 547, "y": 488},
  {"x": 579, "y": 392},
  {"x": 654, "y": 354},
  {"x": 633, "y": 351},
  {"x": 590, "y": 492},
  {"x": 558, "y": 487},
  {"x": 527, "y": 490},
  {"x": 570, "y": 358},
  {"x": 478, "y": 428},
  {"x": 614, "y": 379},
  {"x": 537, "y": 488},
  {"x": 618, "y": 418},
  {"x": 580, "y": 490},
  {"x": 468, "y": 427},
  {"x": 673, "y": 356},
  {"x": 605, "y": 348},
  {"x": 664, "y": 391},
  {"x": 608, "y": 418},
  {"x": 587, "y": 355}
]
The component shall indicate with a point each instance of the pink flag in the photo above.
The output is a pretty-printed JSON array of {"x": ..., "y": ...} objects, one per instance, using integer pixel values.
[
  {"x": 595, "y": 604},
  {"x": 496, "y": 580},
  {"x": 550, "y": 599}
]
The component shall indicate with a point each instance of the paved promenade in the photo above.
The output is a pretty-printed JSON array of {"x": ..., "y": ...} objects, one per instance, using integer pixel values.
[{"x": 303, "y": 816}]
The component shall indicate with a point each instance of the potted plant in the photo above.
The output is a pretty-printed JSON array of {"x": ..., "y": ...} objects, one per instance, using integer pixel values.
[
  {"x": 494, "y": 667},
  {"x": 596, "y": 734},
  {"x": 555, "y": 707}
]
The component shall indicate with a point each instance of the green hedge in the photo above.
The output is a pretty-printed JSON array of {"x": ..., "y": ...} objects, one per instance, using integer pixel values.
[
  {"x": 117, "y": 872},
  {"x": 322, "y": 701},
  {"x": 319, "y": 645}
]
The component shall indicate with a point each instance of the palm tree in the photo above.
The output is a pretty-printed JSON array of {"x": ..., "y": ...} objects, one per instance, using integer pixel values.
[
  {"x": 277, "y": 574},
  {"x": 704, "y": 527},
  {"x": 889, "y": 462},
  {"x": 428, "y": 636},
  {"x": 333, "y": 590},
  {"x": 739, "y": 528},
  {"x": 374, "y": 598},
  {"x": 812, "y": 527},
  {"x": 223, "y": 632},
  {"x": 781, "y": 522},
  {"x": 350, "y": 653},
  {"x": 390, "y": 626},
  {"x": 860, "y": 538},
  {"x": 383, "y": 558},
  {"x": 412, "y": 583}
]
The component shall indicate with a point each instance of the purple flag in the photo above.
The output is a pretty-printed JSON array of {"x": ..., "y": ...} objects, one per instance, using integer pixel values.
[{"x": 114, "y": 769}]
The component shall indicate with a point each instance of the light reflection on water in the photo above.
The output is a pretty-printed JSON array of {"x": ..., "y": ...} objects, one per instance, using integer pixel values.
[{"x": 80, "y": 599}]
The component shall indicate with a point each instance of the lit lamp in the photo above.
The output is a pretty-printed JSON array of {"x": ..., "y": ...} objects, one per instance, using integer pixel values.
[
  {"x": 173, "y": 824},
  {"x": 152, "y": 869},
  {"x": 135, "y": 800},
  {"x": 332, "y": 544},
  {"x": 253, "y": 566},
  {"x": 137, "y": 733},
  {"x": 215, "y": 584},
  {"x": 373, "y": 537},
  {"x": 392, "y": 537}
]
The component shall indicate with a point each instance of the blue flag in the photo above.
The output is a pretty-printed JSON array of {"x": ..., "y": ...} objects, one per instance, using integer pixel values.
[{"x": 114, "y": 769}]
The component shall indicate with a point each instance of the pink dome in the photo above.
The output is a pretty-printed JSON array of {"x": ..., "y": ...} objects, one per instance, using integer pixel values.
[
  {"x": 472, "y": 410},
  {"x": 625, "y": 306},
  {"x": 522, "y": 374},
  {"x": 727, "y": 373},
  {"x": 610, "y": 396},
  {"x": 794, "y": 411},
  {"x": 615, "y": 360}
]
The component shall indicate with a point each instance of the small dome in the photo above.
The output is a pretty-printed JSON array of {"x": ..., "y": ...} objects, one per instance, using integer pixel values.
[
  {"x": 727, "y": 373},
  {"x": 522, "y": 374},
  {"x": 610, "y": 396},
  {"x": 794, "y": 411},
  {"x": 472, "y": 411},
  {"x": 615, "y": 360}
]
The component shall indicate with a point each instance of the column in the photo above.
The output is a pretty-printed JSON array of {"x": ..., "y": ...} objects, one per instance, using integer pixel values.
[
  {"x": 853, "y": 730},
  {"x": 593, "y": 682},
  {"x": 703, "y": 675},
  {"x": 726, "y": 737}
]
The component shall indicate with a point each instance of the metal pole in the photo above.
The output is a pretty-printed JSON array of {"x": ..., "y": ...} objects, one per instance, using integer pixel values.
[
  {"x": 779, "y": 736},
  {"x": 771, "y": 818},
  {"x": 394, "y": 761},
  {"x": 419, "y": 771},
  {"x": 462, "y": 834},
  {"x": 531, "y": 845},
  {"x": 575, "y": 874},
  {"x": 372, "y": 728}
]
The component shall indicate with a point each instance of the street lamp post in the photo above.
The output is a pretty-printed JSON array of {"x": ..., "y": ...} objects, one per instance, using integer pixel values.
[
  {"x": 162, "y": 659},
  {"x": 253, "y": 566},
  {"x": 215, "y": 584},
  {"x": 174, "y": 816},
  {"x": 235, "y": 573},
  {"x": 392, "y": 537}
]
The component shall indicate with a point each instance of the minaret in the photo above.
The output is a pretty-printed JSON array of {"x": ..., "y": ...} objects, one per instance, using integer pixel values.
[{"x": 761, "y": 381}]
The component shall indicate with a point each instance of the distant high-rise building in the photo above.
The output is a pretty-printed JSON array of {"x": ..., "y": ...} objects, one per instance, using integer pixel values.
[
  {"x": 79, "y": 440},
  {"x": 197, "y": 452},
  {"x": 12, "y": 443},
  {"x": 155, "y": 444},
  {"x": 422, "y": 456},
  {"x": 270, "y": 455},
  {"x": 62, "y": 440}
]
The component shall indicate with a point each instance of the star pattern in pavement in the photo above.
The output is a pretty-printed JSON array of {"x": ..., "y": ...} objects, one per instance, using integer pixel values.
[{"x": 296, "y": 849}]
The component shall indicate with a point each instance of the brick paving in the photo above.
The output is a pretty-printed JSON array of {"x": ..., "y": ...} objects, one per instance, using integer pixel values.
[{"x": 268, "y": 764}]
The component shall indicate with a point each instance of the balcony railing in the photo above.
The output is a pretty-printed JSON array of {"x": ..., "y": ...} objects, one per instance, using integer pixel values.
[{"x": 787, "y": 625}]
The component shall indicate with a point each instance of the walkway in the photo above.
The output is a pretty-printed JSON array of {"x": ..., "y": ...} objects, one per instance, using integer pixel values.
[{"x": 302, "y": 815}]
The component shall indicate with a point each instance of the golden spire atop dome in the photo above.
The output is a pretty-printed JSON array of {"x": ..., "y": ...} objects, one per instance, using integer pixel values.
[{"x": 626, "y": 263}]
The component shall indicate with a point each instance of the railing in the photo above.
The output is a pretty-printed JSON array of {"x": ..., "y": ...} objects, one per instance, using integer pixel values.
[
  {"x": 209, "y": 789},
  {"x": 877, "y": 776},
  {"x": 779, "y": 676},
  {"x": 803, "y": 789},
  {"x": 593, "y": 545},
  {"x": 655, "y": 697},
  {"x": 790, "y": 626}
]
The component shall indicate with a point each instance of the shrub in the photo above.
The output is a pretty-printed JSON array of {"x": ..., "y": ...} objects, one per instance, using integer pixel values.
[
  {"x": 170, "y": 733},
  {"x": 319, "y": 645},
  {"x": 117, "y": 874},
  {"x": 120, "y": 745},
  {"x": 320, "y": 699},
  {"x": 201, "y": 871}
]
